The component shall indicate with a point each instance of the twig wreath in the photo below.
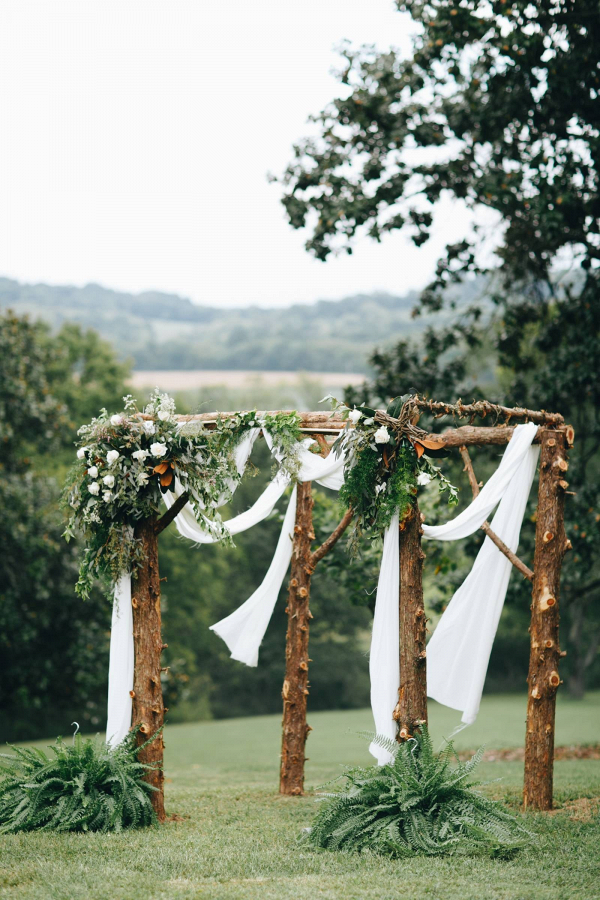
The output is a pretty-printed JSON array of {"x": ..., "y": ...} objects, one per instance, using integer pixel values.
[
  {"x": 126, "y": 462},
  {"x": 387, "y": 458}
]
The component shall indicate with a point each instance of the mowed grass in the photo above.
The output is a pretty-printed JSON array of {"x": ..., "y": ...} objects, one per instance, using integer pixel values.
[{"x": 235, "y": 837}]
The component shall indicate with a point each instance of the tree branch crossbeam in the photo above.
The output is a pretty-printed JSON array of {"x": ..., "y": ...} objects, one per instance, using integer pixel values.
[{"x": 486, "y": 527}]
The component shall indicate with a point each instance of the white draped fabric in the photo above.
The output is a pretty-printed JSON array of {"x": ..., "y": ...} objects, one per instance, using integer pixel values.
[
  {"x": 120, "y": 671},
  {"x": 458, "y": 653},
  {"x": 244, "y": 629},
  {"x": 459, "y": 650}
]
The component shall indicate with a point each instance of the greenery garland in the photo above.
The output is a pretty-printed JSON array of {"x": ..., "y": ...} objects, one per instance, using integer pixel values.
[
  {"x": 417, "y": 804},
  {"x": 384, "y": 467},
  {"x": 127, "y": 461}
]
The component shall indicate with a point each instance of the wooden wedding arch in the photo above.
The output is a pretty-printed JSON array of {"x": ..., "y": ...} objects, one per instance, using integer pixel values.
[{"x": 551, "y": 543}]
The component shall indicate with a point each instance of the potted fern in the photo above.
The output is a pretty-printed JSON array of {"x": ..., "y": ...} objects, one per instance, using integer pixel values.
[
  {"x": 420, "y": 802},
  {"x": 87, "y": 786}
]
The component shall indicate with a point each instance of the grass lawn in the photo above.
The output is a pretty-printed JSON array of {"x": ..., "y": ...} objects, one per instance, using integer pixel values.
[{"x": 237, "y": 838}]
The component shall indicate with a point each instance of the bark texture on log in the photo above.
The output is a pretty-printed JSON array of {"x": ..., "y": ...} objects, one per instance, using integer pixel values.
[
  {"x": 295, "y": 685},
  {"x": 543, "y": 678},
  {"x": 483, "y": 408},
  {"x": 411, "y": 710},
  {"x": 466, "y": 435},
  {"x": 148, "y": 708}
]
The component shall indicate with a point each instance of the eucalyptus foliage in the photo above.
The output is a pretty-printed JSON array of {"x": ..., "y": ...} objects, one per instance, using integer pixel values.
[
  {"x": 418, "y": 803},
  {"x": 87, "y": 786},
  {"x": 126, "y": 462},
  {"x": 383, "y": 469}
]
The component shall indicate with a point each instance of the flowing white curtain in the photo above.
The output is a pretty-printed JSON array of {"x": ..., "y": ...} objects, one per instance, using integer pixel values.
[
  {"x": 120, "y": 670},
  {"x": 244, "y": 629},
  {"x": 458, "y": 653},
  {"x": 459, "y": 650}
]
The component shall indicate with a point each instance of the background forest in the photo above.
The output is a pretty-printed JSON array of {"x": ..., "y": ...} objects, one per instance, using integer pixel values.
[{"x": 513, "y": 129}]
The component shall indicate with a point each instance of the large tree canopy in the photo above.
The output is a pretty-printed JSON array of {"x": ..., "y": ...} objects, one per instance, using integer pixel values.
[
  {"x": 498, "y": 108},
  {"x": 501, "y": 100}
]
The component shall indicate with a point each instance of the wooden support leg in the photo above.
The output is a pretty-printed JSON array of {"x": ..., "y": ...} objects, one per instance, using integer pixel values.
[
  {"x": 411, "y": 711},
  {"x": 295, "y": 685},
  {"x": 543, "y": 679},
  {"x": 148, "y": 709}
]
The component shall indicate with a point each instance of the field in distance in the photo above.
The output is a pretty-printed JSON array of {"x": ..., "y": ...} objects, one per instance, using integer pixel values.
[{"x": 186, "y": 380}]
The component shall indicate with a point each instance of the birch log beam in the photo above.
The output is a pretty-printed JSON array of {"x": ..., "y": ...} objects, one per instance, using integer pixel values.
[{"x": 543, "y": 679}]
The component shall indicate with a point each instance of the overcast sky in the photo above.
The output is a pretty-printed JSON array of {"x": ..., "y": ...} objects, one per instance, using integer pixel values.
[{"x": 137, "y": 136}]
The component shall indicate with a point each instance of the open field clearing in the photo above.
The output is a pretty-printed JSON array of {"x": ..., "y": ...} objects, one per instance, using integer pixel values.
[
  {"x": 184, "y": 380},
  {"x": 234, "y": 838}
]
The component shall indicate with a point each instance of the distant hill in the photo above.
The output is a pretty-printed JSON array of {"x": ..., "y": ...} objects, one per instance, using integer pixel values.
[{"x": 165, "y": 331}]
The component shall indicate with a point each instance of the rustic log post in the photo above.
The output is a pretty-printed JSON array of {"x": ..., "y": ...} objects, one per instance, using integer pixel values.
[
  {"x": 543, "y": 678},
  {"x": 295, "y": 685},
  {"x": 148, "y": 709},
  {"x": 411, "y": 710}
]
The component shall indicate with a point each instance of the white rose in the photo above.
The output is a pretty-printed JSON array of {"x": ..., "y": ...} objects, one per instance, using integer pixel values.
[
  {"x": 93, "y": 471},
  {"x": 149, "y": 427},
  {"x": 107, "y": 496},
  {"x": 382, "y": 435},
  {"x": 112, "y": 456},
  {"x": 109, "y": 480},
  {"x": 380, "y": 487},
  {"x": 116, "y": 420},
  {"x": 140, "y": 455},
  {"x": 81, "y": 452},
  {"x": 94, "y": 488},
  {"x": 369, "y": 421},
  {"x": 143, "y": 478},
  {"x": 423, "y": 478},
  {"x": 164, "y": 414},
  {"x": 355, "y": 415},
  {"x": 157, "y": 449}
]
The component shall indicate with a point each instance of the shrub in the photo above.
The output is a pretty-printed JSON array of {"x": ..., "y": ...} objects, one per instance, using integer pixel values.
[
  {"x": 418, "y": 803},
  {"x": 88, "y": 786}
]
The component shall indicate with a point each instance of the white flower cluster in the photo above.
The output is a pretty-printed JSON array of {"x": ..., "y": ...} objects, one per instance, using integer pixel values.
[{"x": 162, "y": 406}]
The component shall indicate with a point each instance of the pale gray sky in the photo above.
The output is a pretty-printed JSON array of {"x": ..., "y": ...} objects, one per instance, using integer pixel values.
[{"x": 137, "y": 134}]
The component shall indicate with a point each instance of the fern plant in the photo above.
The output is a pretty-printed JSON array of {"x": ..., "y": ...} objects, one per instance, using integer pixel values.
[
  {"x": 418, "y": 803},
  {"x": 88, "y": 786}
]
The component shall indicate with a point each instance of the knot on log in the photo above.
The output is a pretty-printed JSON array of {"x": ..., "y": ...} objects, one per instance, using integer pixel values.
[
  {"x": 303, "y": 592},
  {"x": 554, "y": 679},
  {"x": 547, "y": 600},
  {"x": 144, "y": 728},
  {"x": 132, "y": 694},
  {"x": 303, "y": 665},
  {"x": 548, "y": 536},
  {"x": 294, "y": 582}
]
